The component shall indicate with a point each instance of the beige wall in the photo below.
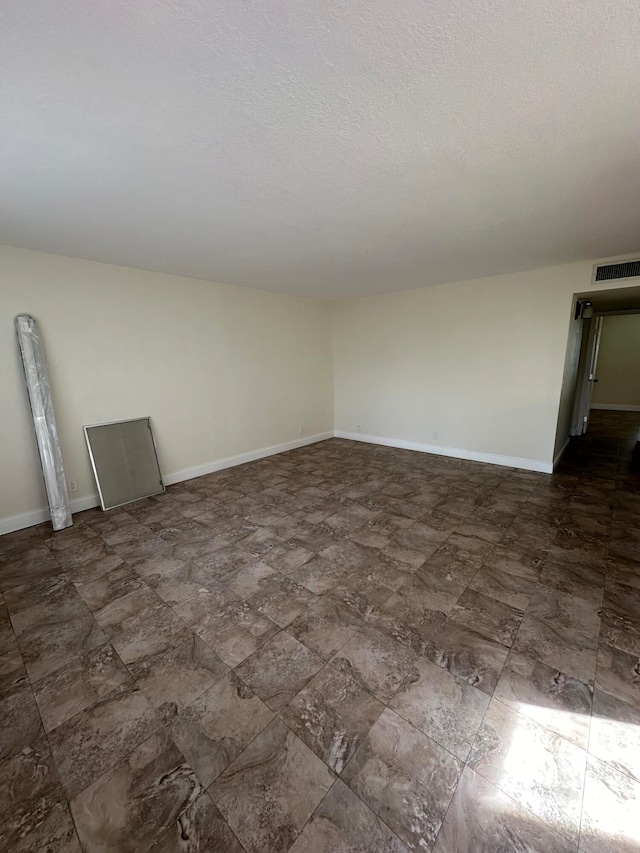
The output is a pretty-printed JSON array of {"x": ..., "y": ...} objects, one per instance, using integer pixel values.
[
  {"x": 618, "y": 369},
  {"x": 481, "y": 366},
  {"x": 484, "y": 368},
  {"x": 221, "y": 370}
]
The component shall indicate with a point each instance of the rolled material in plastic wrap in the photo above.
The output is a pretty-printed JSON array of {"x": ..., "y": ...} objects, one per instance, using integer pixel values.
[{"x": 44, "y": 420}]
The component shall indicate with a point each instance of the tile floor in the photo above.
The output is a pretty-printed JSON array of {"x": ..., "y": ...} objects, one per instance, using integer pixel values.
[{"x": 341, "y": 648}]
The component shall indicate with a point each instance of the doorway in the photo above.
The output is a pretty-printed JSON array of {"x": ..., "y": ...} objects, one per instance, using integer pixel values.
[
  {"x": 597, "y": 352},
  {"x": 587, "y": 369}
]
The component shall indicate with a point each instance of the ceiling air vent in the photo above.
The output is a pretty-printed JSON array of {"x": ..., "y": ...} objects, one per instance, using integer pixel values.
[{"x": 625, "y": 269}]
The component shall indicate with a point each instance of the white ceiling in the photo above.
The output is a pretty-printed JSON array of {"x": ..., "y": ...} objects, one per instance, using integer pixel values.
[{"x": 326, "y": 147}]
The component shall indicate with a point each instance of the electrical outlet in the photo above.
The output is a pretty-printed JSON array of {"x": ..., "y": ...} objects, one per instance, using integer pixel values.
[
  {"x": 301, "y": 429},
  {"x": 358, "y": 427},
  {"x": 435, "y": 433},
  {"x": 73, "y": 485}
]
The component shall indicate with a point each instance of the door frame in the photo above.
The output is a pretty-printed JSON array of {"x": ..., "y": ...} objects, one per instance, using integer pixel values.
[{"x": 587, "y": 375}]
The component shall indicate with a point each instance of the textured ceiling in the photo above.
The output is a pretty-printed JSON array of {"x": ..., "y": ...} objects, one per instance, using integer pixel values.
[{"x": 326, "y": 147}]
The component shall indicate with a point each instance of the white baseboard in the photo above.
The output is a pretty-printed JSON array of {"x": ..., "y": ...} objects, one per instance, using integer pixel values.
[
  {"x": 38, "y": 516},
  {"x": 558, "y": 455},
  {"x": 615, "y": 407},
  {"x": 456, "y": 452},
  {"x": 251, "y": 456}
]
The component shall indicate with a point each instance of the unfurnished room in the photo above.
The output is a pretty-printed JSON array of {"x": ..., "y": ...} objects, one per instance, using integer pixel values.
[{"x": 319, "y": 427}]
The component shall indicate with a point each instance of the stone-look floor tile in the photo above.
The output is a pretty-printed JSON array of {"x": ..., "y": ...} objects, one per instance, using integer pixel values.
[
  {"x": 346, "y": 554},
  {"x": 388, "y": 522},
  {"x": 422, "y": 537},
  {"x": 199, "y": 829},
  {"x": 19, "y": 540},
  {"x": 558, "y": 647},
  {"x": 43, "y": 601},
  {"x": 8, "y": 641},
  {"x": 342, "y": 823},
  {"x": 332, "y": 715},
  {"x": 431, "y": 591},
  {"x": 324, "y": 627},
  {"x": 406, "y": 620},
  {"x": 182, "y": 584},
  {"x": 621, "y": 618},
  {"x": 318, "y": 575},
  {"x": 78, "y": 685},
  {"x": 375, "y": 661},
  {"x": 147, "y": 545},
  {"x": 98, "y": 593},
  {"x": 20, "y": 722},
  {"x": 386, "y": 570},
  {"x": 237, "y": 631},
  {"x": 369, "y": 537},
  {"x": 312, "y": 537},
  {"x": 286, "y": 557},
  {"x": 452, "y": 562},
  {"x": 269, "y": 793},
  {"x": 615, "y": 733},
  {"x": 281, "y": 599},
  {"x": 83, "y": 553},
  {"x": 483, "y": 531},
  {"x": 574, "y": 579},
  {"x": 215, "y": 555},
  {"x": 202, "y": 609},
  {"x": 360, "y": 594},
  {"x": 28, "y": 564},
  {"x": 151, "y": 569},
  {"x": 511, "y": 589},
  {"x": 349, "y": 517},
  {"x": 569, "y": 547},
  {"x": 623, "y": 572},
  {"x": 128, "y": 611},
  {"x": 400, "y": 554},
  {"x": 467, "y": 654},
  {"x": 405, "y": 777},
  {"x": 610, "y": 811},
  {"x": 623, "y": 542},
  {"x": 467, "y": 548},
  {"x": 46, "y": 826},
  {"x": 13, "y": 674},
  {"x": 260, "y": 541},
  {"x": 543, "y": 772},
  {"x": 487, "y": 616},
  {"x": 32, "y": 802},
  {"x": 442, "y": 706},
  {"x": 524, "y": 563},
  {"x": 532, "y": 528},
  {"x": 45, "y": 648},
  {"x": 279, "y": 669},
  {"x": 377, "y": 514},
  {"x": 482, "y": 819},
  {"x": 245, "y": 581},
  {"x": 552, "y": 698},
  {"x": 176, "y": 677},
  {"x": 576, "y": 616},
  {"x": 618, "y": 673},
  {"x": 94, "y": 740},
  {"x": 146, "y": 635},
  {"x": 107, "y": 562},
  {"x": 130, "y": 806},
  {"x": 214, "y": 729}
]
